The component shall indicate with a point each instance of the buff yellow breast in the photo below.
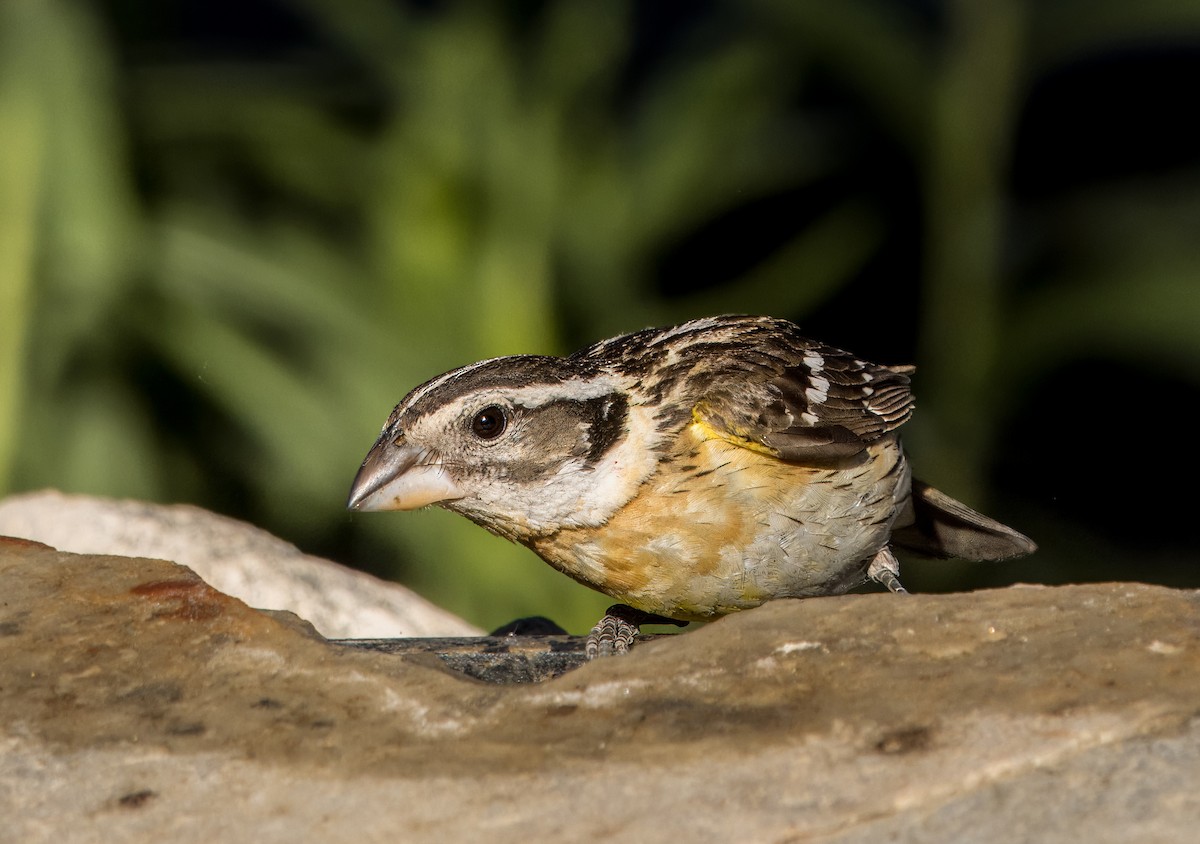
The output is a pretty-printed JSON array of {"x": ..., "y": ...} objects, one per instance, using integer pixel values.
[{"x": 722, "y": 527}]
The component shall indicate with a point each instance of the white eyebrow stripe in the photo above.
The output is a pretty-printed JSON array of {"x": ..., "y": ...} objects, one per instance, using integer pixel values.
[
  {"x": 580, "y": 389},
  {"x": 532, "y": 396}
]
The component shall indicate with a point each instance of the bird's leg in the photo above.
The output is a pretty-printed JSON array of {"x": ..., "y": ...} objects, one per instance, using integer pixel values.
[
  {"x": 614, "y": 633},
  {"x": 885, "y": 569}
]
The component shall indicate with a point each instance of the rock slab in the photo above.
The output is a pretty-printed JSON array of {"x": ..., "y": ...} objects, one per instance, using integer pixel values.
[
  {"x": 137, "y": 703},
  {"x": 235, "y": 557}
]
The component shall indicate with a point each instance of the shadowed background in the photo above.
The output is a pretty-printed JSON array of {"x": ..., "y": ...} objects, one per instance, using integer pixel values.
[{"x": 234, "y": 234}]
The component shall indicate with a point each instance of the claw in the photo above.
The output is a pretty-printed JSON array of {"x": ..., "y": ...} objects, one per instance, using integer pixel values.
[
  {"x": 885, "y": 569},
  {"x": 614, "y": 634}
]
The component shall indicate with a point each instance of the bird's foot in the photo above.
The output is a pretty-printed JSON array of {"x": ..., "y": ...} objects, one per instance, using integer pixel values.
[
  {"x": 614, "y": 634},
  {"x": 885, "y": 569}
]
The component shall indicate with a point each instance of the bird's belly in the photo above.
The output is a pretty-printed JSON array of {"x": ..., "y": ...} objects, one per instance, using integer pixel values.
[{"x": 737, "y": 529}]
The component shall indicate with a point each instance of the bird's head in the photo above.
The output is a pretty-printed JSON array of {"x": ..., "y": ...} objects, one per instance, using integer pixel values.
[{"x": 522, "y": 445}]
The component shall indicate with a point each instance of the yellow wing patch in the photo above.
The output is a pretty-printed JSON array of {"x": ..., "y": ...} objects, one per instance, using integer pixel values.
[{"x": 705, "y": 430}]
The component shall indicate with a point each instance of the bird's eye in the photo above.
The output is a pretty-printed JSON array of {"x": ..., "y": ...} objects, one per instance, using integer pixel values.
[{"x": 489, "y": 423}]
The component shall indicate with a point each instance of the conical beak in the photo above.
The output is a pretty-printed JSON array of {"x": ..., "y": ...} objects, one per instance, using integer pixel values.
[{"x": 398, "y": 476}]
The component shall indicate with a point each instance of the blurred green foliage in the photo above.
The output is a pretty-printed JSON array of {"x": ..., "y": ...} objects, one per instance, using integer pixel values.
[{"x": 224, "y": 255}]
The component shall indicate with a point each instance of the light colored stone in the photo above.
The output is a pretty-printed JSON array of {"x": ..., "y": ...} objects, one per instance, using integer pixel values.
[
  {"x": 236, "y": 558},
  {"x": 138, "y": 704}
]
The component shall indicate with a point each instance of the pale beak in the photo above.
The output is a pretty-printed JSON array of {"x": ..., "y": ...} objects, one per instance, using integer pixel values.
[{"x": 399, "y": 477}]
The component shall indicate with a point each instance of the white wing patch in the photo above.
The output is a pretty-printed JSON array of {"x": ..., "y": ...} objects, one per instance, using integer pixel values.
[{"x": 818, "y": 392}]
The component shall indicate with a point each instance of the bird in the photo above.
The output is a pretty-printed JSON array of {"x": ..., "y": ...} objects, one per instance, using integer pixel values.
[{"x": 687, "y": 471}]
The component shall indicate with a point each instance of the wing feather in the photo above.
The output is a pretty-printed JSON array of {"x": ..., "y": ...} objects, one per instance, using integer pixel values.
[
  {"x": 801, "y": 400},
  {"x": 759, "y": 383}
]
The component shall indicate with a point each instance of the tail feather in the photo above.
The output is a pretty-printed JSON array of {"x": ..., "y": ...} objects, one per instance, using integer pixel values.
[{"x": 944, "y": 527}]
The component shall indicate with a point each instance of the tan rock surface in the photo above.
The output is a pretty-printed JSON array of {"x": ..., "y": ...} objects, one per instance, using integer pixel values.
[
  {"x": 234, "y": 557},
  {"x": 139, "y": 704}
]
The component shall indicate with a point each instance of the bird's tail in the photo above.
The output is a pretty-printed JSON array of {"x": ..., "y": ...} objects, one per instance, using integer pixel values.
[{"x": 943, "y": 527}]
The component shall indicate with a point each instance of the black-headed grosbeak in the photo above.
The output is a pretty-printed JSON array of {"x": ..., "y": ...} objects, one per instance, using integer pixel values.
[{"x": 688, "y": 471}]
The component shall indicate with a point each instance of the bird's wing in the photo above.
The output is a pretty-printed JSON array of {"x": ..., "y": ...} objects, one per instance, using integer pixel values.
[{"x": 817, "y": 406}]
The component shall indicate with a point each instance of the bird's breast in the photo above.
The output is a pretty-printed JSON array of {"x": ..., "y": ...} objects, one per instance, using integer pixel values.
[{"x": 720, "y": 528}]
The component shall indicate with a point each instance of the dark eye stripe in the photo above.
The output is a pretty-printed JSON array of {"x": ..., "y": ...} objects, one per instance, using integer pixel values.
[
  {"x": 607, "y": 417},
  {"x": 603, "y": 419}
]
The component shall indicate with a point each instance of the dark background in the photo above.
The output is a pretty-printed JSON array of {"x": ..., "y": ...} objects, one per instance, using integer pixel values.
[{"x": 234, "y": 234}]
